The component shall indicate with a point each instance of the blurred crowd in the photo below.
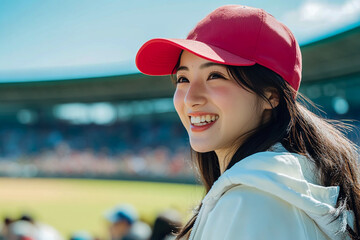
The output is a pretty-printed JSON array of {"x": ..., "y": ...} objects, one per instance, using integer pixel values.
[
  {"x": 123, "y": 223},
  {"x": 157, "y": 148},
  {"x": 133, "y": 148}
]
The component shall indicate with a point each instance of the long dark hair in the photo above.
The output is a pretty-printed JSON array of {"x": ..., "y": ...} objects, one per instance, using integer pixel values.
[{"x": 300, "y": 131}]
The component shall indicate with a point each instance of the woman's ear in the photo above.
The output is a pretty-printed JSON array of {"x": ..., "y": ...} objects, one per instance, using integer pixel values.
[{"x": 273, "y": 97}]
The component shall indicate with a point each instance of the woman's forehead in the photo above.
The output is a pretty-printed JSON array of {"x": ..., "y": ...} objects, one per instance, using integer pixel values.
[
  {"x": 190, "y": 60},
  {"x": 187, "y": 57}
]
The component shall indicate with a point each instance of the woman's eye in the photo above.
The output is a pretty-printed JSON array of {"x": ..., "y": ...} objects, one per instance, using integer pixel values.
[
  {"x": 215, "y": 75},
  {"x": 181, "y": 80}
]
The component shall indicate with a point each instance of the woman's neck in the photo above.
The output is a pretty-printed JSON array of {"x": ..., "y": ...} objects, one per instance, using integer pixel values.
[{"x": 224, "y": 157}]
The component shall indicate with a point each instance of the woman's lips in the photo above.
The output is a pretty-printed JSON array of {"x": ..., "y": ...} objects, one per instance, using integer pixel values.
[{"x": 195, "y": 128}]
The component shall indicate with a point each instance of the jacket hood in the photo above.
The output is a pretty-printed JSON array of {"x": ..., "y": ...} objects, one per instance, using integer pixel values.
[{"x": 291, "y": 177}]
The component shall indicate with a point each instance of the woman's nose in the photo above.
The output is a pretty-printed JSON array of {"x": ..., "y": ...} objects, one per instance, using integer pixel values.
[{"x": 195, "y": 95}]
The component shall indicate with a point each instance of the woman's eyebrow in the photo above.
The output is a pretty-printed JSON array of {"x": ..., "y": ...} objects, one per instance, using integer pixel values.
[
  {"x": 209, "y": 64},
  {"x": 182, "y": 68},
  {"x": 204, "y": 65}
]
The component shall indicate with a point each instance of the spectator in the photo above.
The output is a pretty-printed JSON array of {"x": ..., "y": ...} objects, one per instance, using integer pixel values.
[
  {"x": 121, "y": 219},
  {"x": 166, "y": 225},
  {"x": 26, "y": 228}
]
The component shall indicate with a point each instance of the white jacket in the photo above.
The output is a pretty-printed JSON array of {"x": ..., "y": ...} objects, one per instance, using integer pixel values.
[{"x": 270, "y": 195}]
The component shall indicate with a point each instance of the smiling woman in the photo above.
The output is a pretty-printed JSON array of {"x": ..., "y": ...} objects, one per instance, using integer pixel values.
[
  {"x": 271, "y": 168},
  {"x": 212, "y": 92}
]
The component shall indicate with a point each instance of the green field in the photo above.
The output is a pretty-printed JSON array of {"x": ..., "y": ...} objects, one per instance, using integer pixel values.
[{"x": 78, "y": 204}]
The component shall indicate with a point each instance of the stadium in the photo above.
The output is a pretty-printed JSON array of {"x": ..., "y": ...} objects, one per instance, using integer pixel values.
[{"x": 113, "y": 139}]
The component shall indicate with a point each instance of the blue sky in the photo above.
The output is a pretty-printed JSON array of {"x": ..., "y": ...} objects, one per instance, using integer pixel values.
[{"x": 66, "y": 39}]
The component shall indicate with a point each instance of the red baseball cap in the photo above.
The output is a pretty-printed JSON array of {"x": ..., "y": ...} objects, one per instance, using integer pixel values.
[{"x": 232, "y": 35}]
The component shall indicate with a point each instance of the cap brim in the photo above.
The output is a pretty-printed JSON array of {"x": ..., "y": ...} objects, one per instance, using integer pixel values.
[{"x": 159, "y": 56}]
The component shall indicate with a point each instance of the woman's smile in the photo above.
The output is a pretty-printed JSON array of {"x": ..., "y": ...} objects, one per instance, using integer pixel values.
[{"x": 200, "y": 121}]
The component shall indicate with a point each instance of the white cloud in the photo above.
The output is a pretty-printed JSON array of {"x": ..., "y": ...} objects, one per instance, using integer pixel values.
[{"x": 315, "y": 18}]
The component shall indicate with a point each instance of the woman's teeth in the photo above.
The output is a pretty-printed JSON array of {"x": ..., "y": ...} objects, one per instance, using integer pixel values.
[{"x": 203, "y": 120}]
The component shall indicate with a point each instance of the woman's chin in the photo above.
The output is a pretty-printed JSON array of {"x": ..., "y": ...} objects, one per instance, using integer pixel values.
[{"x": 201, "y": 148}]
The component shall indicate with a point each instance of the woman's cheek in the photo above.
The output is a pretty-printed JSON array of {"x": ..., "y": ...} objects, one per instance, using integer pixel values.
[
  {"x": 222, "y": 90},
  {"x": 178, "y": 101},
  {"x": 223, "y": 97}
]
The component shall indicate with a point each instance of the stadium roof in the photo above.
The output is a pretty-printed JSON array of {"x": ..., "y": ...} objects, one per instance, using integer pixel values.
[{"x": 332, "y": 56}]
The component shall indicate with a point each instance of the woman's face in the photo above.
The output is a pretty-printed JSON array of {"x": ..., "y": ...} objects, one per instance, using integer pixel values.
[{"x": 212, "y": 106}]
